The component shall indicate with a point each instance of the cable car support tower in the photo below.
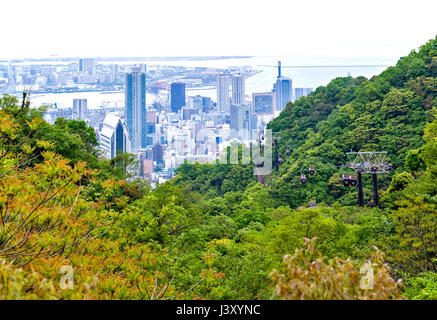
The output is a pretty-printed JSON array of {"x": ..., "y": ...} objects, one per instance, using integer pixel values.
[{"x": 374, "y": 163}]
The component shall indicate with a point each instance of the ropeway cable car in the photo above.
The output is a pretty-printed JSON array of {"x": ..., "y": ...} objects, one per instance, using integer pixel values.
[
  {"x": 345, "y": 179},
  {"x": 311, "y": 171},
  {"x": 303, "y": 179},
  {"x": 353, "y": 181}
]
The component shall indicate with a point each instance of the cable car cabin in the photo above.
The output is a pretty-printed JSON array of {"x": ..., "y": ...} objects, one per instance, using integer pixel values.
[
  {"x": 303, "y": 179},
  {"x": 353, "y": 181},
  {"x": 280, "y": 160},
  {"x": 311, "y": 171},
  {"x": 346, "y": 180},
  {"x": 288, "y": 152}
]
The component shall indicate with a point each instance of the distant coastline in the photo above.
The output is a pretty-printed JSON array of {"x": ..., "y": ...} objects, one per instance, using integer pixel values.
[{"x": 75, "y": 59}]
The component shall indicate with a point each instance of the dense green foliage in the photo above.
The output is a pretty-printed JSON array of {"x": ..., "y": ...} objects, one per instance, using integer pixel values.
[{"x": 213, "y": 232}]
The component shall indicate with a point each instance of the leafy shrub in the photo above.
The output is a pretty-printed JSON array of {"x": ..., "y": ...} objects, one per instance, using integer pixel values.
[
  {"x": 307, "y": 275},
  {"x": 422, "y": 287}
]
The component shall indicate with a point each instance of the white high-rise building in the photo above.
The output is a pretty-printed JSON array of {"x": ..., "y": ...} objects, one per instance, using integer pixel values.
[
  {"x": 114, "y": 137},
  {"x": 223, "y": 102},
  {"x": 238, "y": 89},
  {"x": 80, "y": 109}
]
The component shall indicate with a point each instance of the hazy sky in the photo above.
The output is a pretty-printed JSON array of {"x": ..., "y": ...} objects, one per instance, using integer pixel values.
[{"x": 341, "y": 28}]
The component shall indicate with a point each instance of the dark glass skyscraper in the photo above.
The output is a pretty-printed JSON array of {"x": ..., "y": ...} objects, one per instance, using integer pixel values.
[
  {"x": 283, "y": 89},
  {"x": 177, "y": 100},
  {"x": 135, "y": 102}
]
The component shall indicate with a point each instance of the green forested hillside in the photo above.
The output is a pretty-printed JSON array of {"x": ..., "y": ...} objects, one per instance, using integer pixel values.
[
  {"x": 385, "y": 113},
  {"x": 213, "y": 232}
]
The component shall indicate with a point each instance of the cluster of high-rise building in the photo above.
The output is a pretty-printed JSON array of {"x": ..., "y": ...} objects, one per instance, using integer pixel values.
[
  {"x": 282, "y": 93},
  {"x": 82, "y": 75},
  {"x": 231, "y": 99}
]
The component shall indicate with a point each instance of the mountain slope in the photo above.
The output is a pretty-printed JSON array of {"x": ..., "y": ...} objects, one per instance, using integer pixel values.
[{"x": 385, "y": 113}]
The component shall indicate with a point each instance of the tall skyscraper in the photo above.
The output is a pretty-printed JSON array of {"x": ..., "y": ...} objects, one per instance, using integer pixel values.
[
  {"x": 223, "y": 103},
  {"x": 80, "y": 109},
  {"x": 135, "y": 104},
  {"x": 238, "y": 89},
  {"x": 283, "y": 89},
  {"x": 114, "y": 137},
  {"x": 177, "y": 98}
]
